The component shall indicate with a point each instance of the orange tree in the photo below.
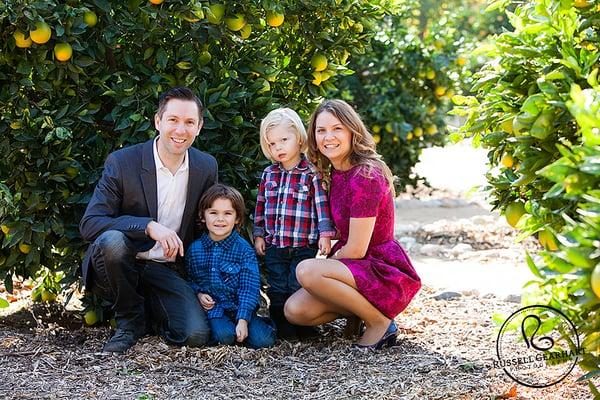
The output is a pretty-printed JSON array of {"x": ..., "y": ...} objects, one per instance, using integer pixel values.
[
  {"x": 537, "y": 110},
  {"x": 80, "y": 78},
  {"x": 417, "y": 62}
]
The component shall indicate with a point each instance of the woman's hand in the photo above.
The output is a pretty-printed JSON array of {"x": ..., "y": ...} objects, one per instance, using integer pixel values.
[
  {"x": 324, "y": 245},
  {"x": 206, "y": 301},
  {"x": 241, "y": 330},
  {"x": 359, "y": 238}
]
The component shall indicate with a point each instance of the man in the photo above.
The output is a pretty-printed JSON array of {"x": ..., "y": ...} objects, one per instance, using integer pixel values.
[{"x": 140, "y": 220}]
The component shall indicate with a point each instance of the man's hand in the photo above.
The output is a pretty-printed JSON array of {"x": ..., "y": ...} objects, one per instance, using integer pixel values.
[
  {"x": 324, "y": 245},
  {"x": 241, "y": 330},
  {"x": 206, "y": 301},
  {"x": 167, "y": 238},
  {"x": 259, "y": 245}
]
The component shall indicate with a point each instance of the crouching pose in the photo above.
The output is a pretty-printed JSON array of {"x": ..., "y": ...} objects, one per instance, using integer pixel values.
[
  {"x": 223, "y": 271},
  {"x": 140, "y": 219}
]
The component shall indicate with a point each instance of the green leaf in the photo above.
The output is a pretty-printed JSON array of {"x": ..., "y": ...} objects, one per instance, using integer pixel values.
[
  {"x": 532, "y": 267},
  {"x": 184, "y": 65},
  {"x": 161, "y": 58},
  {"x": 4, "y": 303},
  {"x": 589, "y": 375},
  {"x": 148, "y": 53}
]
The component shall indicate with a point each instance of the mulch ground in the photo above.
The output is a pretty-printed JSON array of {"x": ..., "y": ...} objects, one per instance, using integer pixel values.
[{"x": 445, "y": 351}]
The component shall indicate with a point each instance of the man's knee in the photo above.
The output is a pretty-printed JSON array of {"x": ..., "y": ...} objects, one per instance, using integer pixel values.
[{"x": 113, "y": 246}]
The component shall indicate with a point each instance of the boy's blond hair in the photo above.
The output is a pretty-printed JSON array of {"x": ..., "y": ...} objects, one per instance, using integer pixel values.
[{"x": 282, "y": 116}]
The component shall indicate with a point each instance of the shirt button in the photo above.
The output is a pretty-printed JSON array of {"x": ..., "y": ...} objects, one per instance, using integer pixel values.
[{"x": 213, "y": 269}]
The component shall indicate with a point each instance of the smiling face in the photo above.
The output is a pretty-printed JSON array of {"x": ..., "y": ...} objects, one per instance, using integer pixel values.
[
  {"x": 284, "y": 146},
  {"x": 178, "y": 126},
  {"x": 334, "y": 140},
  {"x": 220, "y": 219}
]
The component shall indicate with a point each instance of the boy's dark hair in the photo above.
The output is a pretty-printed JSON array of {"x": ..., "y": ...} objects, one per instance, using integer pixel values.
[
  {"x": 220, "y": 191},
  {"x": 181, "y": 93}
]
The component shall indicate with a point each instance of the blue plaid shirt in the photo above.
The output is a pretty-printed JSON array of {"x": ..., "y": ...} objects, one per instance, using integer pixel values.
[{"x": 227, "y": 270}]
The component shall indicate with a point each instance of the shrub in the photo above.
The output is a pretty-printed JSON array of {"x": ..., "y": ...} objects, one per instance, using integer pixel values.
[
  {"x": 60, "y": 119},
  {"x": 538, "y": 102}
]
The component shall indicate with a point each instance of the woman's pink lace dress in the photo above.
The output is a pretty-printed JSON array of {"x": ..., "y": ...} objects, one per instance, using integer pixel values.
[{"x": 385, "y": 276}]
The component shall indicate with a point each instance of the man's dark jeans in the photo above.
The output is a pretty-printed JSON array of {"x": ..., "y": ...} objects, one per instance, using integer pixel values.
[
  {"x": 280, "y": 264},
  {"x": 146, "y": 291}
]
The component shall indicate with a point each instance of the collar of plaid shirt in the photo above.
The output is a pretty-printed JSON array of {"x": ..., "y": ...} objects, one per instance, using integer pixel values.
[
  {"x": 301, "y": 166},
  {"x": 226, "y": 243}
]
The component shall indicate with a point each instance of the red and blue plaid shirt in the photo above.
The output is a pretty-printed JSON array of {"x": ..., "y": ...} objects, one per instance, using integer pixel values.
[{"x": 292, "y": 209}]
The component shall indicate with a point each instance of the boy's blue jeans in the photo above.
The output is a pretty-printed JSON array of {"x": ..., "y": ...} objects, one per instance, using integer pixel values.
[
  {"x": 261, "y": 332},
  {"x": 280, "y": 264}
]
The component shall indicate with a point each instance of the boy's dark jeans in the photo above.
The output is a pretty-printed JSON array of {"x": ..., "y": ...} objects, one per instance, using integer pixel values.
[
  {"x": 280, "y": 264},
  {"x": 143, "y": 291}
]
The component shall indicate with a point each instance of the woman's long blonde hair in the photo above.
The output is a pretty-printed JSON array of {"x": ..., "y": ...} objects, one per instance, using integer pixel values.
[{"x": 363, "y": 146}]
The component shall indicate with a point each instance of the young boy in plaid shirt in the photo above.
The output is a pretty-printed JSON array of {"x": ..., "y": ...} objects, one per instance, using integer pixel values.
[
  {"x": 291, "y": 219},
  {"x": 223, "y": 271}
]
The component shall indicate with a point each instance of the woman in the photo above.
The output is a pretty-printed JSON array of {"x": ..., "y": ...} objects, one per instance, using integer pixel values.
[{"x": 367, "y": 274}]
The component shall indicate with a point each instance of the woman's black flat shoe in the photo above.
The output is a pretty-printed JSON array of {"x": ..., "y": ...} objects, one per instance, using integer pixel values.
[{"x": 388, "y": 339}]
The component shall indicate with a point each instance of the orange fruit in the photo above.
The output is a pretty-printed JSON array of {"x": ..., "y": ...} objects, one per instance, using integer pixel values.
[
  {"x": 21, "y": 41},
  {"x": 215, "y": 13},
  {"x": 513, "y": 212},
  {"x": 439, "y": 91},
  {"x": 318, "y": 62},
  {"x": 236, "y": 22},
  {"x": 581, "y": 3},
  {"x": 24, "y": 248},
  {"x": 91, "y": 317},
  {"x": 90, "y": 18},
  {"x": 41, "y": 34},
  {"x": 63, "y": 51},
  {"x": 274, "y": 19},
  {"x": 246, "y": 31},
  {"x": 595, "y": 280},
  {"x": 48, "y": 296},
  {"x": 508, "y": 161},
  {"x": 431, "y": 129},
  {"x": 547, "y": 240},
  {"x": 317, "y": 78}
]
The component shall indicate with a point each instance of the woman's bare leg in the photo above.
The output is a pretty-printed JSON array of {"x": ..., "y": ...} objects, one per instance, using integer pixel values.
[
  {"x": 302, "y": 308},
  {"x": 331, "y": 283}
]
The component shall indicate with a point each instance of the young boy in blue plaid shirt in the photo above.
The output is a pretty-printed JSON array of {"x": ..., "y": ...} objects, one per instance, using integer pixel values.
[
  {"x": 291, "y": 219},
  {"x": 223, "y": 271}
]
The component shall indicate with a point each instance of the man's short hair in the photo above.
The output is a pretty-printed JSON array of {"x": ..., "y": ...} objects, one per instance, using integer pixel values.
[
  {"x": 181, "y": 93},
  {"x": 220, "y": 191}
]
